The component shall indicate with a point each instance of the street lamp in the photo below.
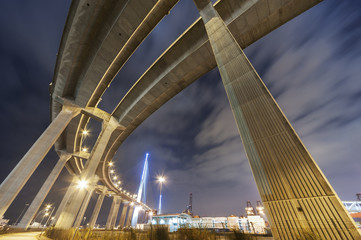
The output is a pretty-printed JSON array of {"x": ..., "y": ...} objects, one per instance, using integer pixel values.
[
  {"x": 26, "y": 205},
  {"x": 161, "y": 180}
]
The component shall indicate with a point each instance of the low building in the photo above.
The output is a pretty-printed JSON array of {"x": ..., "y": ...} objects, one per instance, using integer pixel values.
[{"x": 251, "y": 224}]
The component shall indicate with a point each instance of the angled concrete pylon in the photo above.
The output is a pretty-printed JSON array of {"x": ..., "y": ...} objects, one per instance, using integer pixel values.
[
  {"x": 43, "y": 192},
  {"x": 15, "y": 181},
  {"x": 84, "y": 205},
  {"x": 299, "y": 201}
]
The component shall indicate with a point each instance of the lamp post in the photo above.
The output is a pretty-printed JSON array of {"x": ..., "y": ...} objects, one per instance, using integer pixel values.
[
  {"x": 16, "y": 222},
  {"x": 161, "y": 180}
]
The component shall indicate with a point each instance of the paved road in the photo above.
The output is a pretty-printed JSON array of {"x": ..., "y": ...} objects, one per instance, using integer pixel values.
[{"x": 20, "y": 236}]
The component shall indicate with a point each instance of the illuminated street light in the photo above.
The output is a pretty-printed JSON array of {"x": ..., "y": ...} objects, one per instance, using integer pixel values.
[
  {"x": 161, "y": 180},
  {"x": 82, "y": 184}
]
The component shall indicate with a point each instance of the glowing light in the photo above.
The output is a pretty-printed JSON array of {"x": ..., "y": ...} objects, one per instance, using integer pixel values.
[
  {"x": 111, "y": 171},
  {"x": 132, "y": 204},
  {"x": 161, "y": 179},
  {"x": 110, "y": 164},
  {"x": 82, "y": 184},
  {"x": 115, "y": 178},
  {"x": 46, "y": 214},
  {"x": 85, "y": 150},
  {"x": 150, "y": 213},
  {"x": 48, "y": 206},
  {"x": 119, "y": 182},
  {"x": 85, "y": 132},
  {"x": 120, "y": 188}
]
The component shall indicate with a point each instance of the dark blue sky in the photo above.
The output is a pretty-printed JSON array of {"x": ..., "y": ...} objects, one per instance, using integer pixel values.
[{"x": 311, "y": 65}]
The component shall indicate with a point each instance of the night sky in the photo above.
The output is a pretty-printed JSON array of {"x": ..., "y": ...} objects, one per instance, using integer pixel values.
[{"x": 312, "y": 66}]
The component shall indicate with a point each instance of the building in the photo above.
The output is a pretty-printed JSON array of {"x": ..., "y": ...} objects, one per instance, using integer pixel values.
[
  {"x": 254, "y": 224},
  {"x": 354, "y": 209}
]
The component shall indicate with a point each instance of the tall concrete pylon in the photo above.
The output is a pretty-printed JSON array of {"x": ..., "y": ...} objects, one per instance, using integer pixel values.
[
  {"x": 43, "y": 192},
  {"x": 298, "y": 199},
  {"x": 16, "y": 180}
]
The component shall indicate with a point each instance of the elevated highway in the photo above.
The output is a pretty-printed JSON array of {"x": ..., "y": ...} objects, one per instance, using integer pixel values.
[
  {"x": 99, "y": 37},
  {"x": 85, "y": 68}
]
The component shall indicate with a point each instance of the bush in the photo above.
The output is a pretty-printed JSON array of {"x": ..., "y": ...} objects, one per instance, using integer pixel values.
[{"x": 239, "y": 235}]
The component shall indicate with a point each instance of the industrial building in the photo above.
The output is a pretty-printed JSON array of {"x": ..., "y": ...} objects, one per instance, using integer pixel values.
[{"x": 254, "y": 224}]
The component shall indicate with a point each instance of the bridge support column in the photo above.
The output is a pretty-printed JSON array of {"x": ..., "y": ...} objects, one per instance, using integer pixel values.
[
  {"x": 123, "y": 215},
  {"x": 113, "y": 214},
  {"x": 15, "y": 181},
  {"x": 43, "y": 192},
  {"x": 69, "y": 192},
  {"x": 72, "y": 206},
  {"x": 97, "y": 208},
  {"x": 299, "y": 201},
  {"x": 84, "y": 206},
  {"x": 130, "y": 216}
]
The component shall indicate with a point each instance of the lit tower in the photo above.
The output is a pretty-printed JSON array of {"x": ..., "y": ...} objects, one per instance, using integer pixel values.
[
  {"x": 141, "y": 191},
  {"x": 161, "y": 180}
]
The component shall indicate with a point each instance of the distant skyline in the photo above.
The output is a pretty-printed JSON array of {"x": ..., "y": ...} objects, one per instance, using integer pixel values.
[{"x": 311, "y": 66}]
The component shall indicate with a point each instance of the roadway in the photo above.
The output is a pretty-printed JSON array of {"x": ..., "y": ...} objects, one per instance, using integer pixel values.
[{"x": 21, "y": 236}]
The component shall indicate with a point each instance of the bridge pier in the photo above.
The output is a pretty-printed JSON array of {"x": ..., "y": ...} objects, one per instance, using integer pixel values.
[
  {"x": 68, "y": 215},
  {"x": 123, "y": 214},
  {"x": 97, "y": 208},
  {"x": 130, "y": 216},
  {"x": 72, "y": 187},
  {"x": 84, "y": 206},
  {"x": 15, "y": 181},
  {"x": 43, "y": 192},
  {"x": 113, "y": 214},
  {"x": 298, "y": 200}
]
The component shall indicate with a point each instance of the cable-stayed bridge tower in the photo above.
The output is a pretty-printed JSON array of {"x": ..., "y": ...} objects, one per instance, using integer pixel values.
[{"x": 141, "y": 190}]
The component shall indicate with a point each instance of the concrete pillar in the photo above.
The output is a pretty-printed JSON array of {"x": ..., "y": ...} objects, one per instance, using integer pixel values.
[
  {"x": 43, "y": 192},
  {"x": 113, "y": 214},
  {"x": 130, "y": 216},
  {"x": 15, "y": 181},
  {"x": 297, "y": 198},
  {"x": 84, "y": 206},
  {"x": 97, "y": 208},
  {"x": 72, "y": 206},
  {"x": 66, "y": 197},
  {"x": 124, "y": 214}
]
